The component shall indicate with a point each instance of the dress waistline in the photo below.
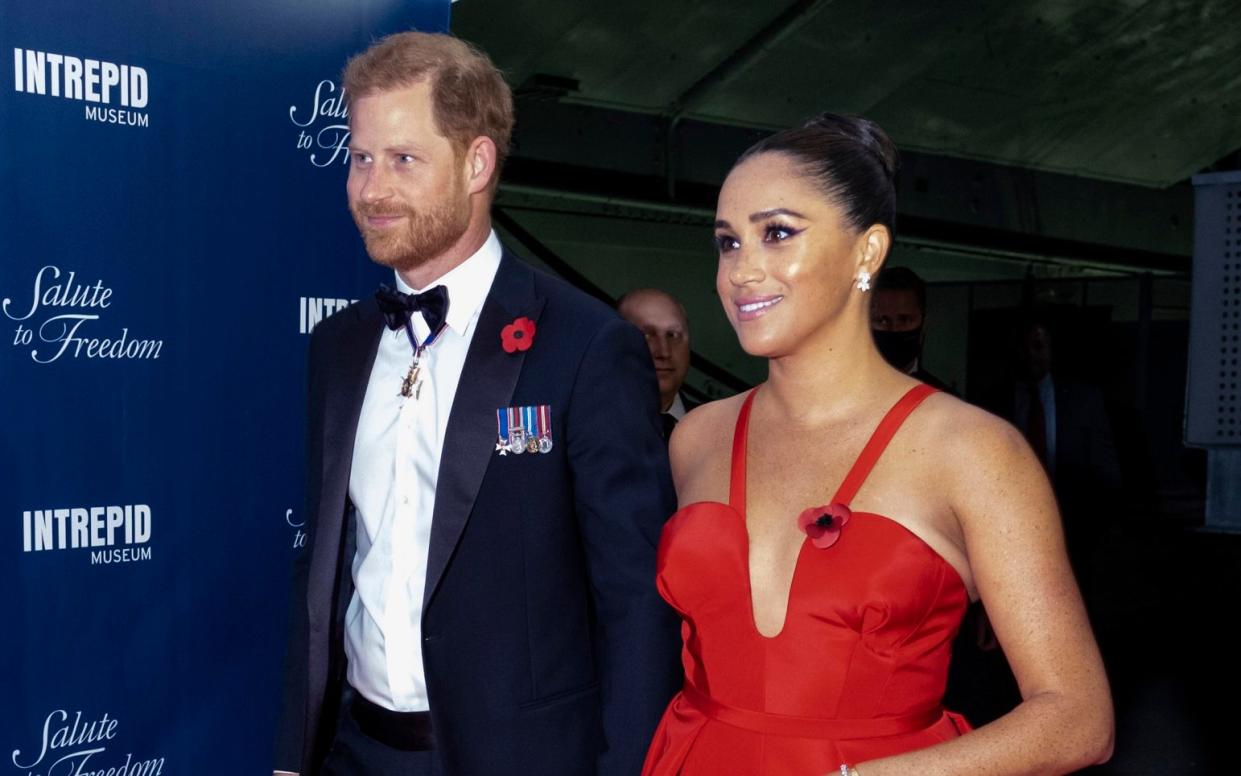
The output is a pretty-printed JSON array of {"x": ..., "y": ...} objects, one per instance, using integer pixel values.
[{"x": 810, "y": 727}]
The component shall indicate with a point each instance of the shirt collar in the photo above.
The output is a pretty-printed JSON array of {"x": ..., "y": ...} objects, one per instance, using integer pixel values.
[
  {"x": 468, "y": 284},
  {"x": 677, "y": 408}
]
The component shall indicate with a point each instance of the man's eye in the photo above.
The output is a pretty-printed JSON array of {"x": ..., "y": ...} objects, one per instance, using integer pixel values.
[
  {"x": 360, "y": 158},
  {"x": 405, "y": 159}
]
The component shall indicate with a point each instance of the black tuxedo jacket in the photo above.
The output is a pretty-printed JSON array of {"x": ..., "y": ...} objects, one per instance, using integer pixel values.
[{"x": 546, "y": 646}]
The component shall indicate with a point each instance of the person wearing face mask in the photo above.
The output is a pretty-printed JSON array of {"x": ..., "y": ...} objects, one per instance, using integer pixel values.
[
  {"x": 836, "y": 520},
  {"x": 898, "y": 319}
]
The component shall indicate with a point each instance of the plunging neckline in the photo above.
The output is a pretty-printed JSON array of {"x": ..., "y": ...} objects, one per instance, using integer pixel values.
[{"x": 849, "y": 486}]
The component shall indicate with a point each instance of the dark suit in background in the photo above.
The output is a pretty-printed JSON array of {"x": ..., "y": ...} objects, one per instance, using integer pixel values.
[
  {"x": 1082, "y": 465},
  {"x": 1074, "y": 441}
]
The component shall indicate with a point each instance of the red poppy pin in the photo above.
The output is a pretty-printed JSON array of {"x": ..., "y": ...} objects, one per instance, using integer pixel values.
[
  {"x": 518, "y": 335},
  {"x": 822, "y": 524}
]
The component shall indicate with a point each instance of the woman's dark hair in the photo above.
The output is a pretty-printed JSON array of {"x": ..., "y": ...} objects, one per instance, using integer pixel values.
[{"x": 851, "y": 159}]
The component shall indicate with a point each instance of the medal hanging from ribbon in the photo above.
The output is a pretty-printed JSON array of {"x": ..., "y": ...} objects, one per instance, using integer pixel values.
[
  {"x": 412, "y": 384},
  {"x": 524, "y": 429},
  {"x": 545, "y": 428}
]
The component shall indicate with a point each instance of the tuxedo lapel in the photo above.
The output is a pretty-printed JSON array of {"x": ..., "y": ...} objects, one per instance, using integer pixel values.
[
  {"x": 488, "y": 380},
  {"x": 344, "y": 391}
]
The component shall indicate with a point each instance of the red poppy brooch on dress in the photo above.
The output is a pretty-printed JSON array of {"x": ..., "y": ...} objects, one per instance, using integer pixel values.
[
  {"x": 822, "y": 524},
  {"x": 518, "y": 335}
]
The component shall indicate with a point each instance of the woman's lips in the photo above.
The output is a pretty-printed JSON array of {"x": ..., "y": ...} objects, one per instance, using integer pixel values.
[{"x": 755, "y": 307}]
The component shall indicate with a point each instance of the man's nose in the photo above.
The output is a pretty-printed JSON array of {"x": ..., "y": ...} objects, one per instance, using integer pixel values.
[
  {"x": 375, "y": 187},
  {"x": 659, "y": 347}
]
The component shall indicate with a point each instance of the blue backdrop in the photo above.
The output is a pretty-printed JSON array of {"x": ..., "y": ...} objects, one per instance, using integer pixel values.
[{"x": 172, "y": 222}]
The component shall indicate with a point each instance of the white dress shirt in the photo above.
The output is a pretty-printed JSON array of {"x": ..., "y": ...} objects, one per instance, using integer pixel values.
[{"x": 396, "y": 461}]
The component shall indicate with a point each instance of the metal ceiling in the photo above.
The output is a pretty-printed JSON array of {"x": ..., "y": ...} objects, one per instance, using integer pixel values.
[
  {"x": 1040, "y": 140},
  {"x": 1136, "y": 91}
]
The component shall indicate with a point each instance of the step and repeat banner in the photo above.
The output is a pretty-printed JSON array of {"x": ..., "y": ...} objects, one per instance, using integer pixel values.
[{"x": 172, "y": 225}]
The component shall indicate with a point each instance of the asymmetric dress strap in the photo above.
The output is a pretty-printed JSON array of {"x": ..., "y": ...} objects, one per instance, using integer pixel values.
[{"x": 866, "y": 460}]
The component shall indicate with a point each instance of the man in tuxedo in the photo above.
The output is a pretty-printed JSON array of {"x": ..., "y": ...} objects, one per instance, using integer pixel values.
[
  {"x": 477, "y": 595},
  {"x": 662, "y": 320},
  {"x": 898, "y": 319}
]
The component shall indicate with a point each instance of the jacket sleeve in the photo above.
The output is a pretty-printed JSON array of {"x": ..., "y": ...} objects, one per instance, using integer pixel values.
[{"x": 623, "y": 493}]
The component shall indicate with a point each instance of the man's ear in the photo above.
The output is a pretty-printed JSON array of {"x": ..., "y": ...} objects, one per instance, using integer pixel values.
[{"x": 480, "y": 164}]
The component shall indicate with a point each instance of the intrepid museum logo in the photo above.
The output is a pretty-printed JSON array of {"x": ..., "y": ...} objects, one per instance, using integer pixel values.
[
  {"x": 56, "y": 321},
  {"x": 72, "y": 744},
  {"x": 112, "y": 534},
  {"x": 312, "y": 309},
  {"x": 323, "y": 125},
  {"x": 114, "y": 93}
]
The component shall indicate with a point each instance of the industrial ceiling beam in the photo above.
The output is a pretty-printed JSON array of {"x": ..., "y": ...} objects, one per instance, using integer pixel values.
[
  {"x": 983, "y": 209},
  {"x": 752, "y": 50}
]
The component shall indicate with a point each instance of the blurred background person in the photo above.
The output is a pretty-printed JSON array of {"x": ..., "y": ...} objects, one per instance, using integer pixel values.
[
  {"x": 898, "y": 321},
  {"x": 662, "y": 320},
  {"x": 1067, "y": 424}
]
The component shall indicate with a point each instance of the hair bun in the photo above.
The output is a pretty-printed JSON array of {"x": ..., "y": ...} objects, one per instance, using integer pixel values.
[
  {"x": 882, "y": 146},
  {"x": 865, "y": 132},
  {"x": 850, "y": 159}
]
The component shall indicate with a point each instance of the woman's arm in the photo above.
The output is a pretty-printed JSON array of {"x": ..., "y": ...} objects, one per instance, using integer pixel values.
[{"x": 1007, "y": 513}]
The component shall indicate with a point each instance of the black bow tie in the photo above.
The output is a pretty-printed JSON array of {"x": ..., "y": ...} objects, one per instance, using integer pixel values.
[{"x": 398, "y": 306}]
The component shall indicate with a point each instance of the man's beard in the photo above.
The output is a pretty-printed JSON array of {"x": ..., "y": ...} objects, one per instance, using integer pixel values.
[{"x": 426, "y": 234}]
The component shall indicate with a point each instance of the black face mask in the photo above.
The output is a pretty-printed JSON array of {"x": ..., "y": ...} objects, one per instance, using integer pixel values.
[{"x": 900, "y": 348}]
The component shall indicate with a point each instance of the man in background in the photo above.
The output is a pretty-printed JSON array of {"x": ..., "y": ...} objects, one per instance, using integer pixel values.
[
  {"x": 662, "y": 320},
  {"x": 898, "y": 318},
  {"x": 1066, "y": 422}
]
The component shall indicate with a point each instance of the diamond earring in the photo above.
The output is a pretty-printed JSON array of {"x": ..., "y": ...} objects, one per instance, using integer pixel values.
[{"x": 863, "y": 281}]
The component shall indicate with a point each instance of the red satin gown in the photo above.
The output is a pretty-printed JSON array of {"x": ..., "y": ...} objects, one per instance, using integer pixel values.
[{"x": 859, "y": 669}]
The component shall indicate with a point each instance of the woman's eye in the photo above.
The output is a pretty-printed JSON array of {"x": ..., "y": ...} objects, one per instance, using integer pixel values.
[
  {"x": 725, "y": 243},
  {"x": 776, "y": 233}
]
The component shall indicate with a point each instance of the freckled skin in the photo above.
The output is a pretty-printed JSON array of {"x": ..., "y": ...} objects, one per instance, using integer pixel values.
[{"x": 959, "y": 478}]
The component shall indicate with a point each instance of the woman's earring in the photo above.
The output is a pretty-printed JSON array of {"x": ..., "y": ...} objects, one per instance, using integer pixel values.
[{"x": 863, "y": 281}]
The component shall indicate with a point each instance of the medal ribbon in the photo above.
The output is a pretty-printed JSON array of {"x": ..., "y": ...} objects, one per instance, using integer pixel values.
[
  {"x": 545, "y": 421},
  {"x": 418, "y": 349},
  {"x": 528, "y": 420},
  {"x": 502, "y": 426}
]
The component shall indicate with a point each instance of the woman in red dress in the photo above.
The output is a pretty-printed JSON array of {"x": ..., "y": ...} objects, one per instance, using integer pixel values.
[{"x": 836, "y": 520}]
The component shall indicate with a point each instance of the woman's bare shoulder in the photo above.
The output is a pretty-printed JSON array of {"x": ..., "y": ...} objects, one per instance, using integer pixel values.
[
  {"x": 979, "y": 454},
  {"x": 706, "y": 417},
  {"x": 963, "y": 428},
  {"x": 705, "y": 428}
]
